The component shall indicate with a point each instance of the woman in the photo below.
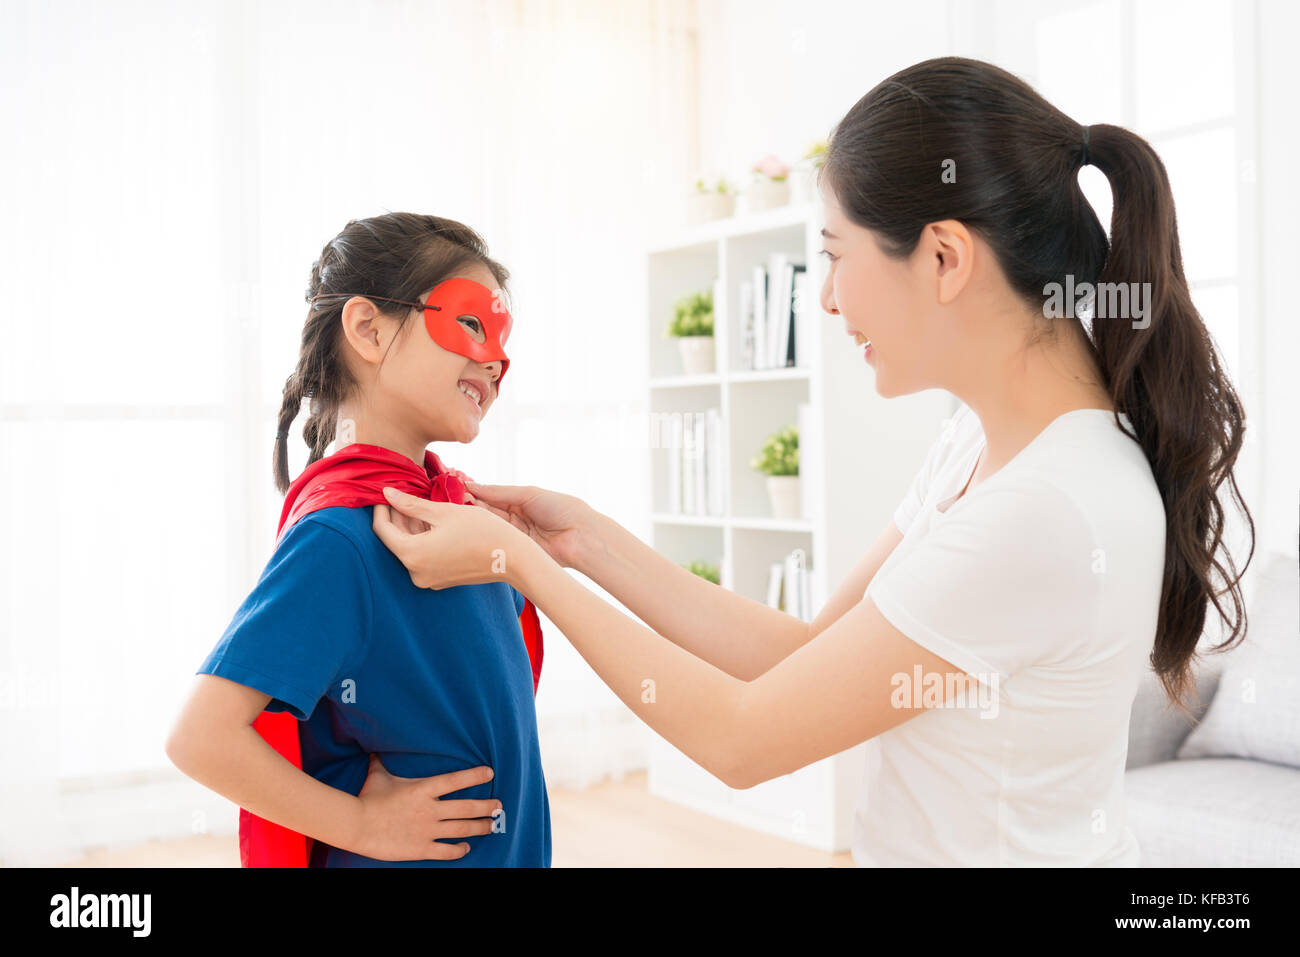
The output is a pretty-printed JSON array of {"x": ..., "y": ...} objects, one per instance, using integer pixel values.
[{"x": 1063, "y": 531}]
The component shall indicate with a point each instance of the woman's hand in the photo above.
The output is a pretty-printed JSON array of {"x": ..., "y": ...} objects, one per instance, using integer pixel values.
[
  {"x": 557, "y": 522},
  {"x": 402, "y": 819},
  {"x": 459, "y": 544}
]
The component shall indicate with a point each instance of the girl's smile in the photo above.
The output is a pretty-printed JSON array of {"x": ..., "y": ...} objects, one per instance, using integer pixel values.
[{"x": 475, "y": 390}]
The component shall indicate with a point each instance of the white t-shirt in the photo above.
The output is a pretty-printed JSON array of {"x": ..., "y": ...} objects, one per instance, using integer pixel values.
[{"x": 1043, "y": 582}]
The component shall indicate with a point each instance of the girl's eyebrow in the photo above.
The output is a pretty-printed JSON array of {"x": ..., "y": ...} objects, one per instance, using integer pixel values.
[{"x": 828, "y": 234}]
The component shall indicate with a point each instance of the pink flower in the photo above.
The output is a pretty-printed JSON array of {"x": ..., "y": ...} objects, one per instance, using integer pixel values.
[{"x": 772, "y": 167}]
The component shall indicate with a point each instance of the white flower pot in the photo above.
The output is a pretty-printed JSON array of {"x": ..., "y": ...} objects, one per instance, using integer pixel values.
[
  {"x": 698, "y": 354},
  {"x": 783, "y": 490},
  {"x": 702, "y": 207},
  {"x": 768, "y": 193},
  {"x": 803, "y": 184}
]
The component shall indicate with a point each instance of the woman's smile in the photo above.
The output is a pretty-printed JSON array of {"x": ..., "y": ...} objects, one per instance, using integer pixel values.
[{"x": 862, "y": 340}]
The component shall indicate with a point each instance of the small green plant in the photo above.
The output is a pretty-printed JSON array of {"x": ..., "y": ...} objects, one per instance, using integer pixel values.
[
  {"x": 704, "y": 570},
  {"x": 780, "y": 453},
  {"x": 721, "y": 186},
  {"x": 816, "y": 152},
  {"x": 693, "y": 315}
]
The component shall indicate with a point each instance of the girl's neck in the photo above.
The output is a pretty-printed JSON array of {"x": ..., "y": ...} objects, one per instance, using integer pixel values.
[{"x": 355, "y": 427}]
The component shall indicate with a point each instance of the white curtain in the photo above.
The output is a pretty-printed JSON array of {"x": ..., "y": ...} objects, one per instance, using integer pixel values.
[{"x": 170, "y": 173}]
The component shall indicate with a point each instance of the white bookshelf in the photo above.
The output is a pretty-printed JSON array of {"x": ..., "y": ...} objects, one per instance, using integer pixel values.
[{"x": 856, "y": 461}]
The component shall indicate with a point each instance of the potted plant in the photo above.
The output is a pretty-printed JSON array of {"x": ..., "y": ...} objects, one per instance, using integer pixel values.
[
  {"x": 804, "y": 178},
  {"x": 771, "y": 186},
  {"x": 711, "y": 199},
  {"x": 779, "y": 460},
  {"x": 692, "y": 327},
  {"x": 703, "y": 570}
]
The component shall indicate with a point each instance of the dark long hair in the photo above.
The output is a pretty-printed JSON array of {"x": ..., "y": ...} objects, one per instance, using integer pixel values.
[
  {"x": 396, "y": 256},
  {"x": 1016, "y": 163}
]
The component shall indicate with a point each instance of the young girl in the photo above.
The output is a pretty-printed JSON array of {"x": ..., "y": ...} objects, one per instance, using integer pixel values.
[{"x": 336, "y": 660}]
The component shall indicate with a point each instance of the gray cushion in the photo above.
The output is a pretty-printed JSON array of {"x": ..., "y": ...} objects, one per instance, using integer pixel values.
[
  {"x": 1256, "y": 709},
  {"x": 1157, "y": 727},
  {"x": 1215, "y": 812}
]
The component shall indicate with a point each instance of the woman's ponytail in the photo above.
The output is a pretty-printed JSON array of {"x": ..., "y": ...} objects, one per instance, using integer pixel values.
[{"x": 1162, "y": 369}]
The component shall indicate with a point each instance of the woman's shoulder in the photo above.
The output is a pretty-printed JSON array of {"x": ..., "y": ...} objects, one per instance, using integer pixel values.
[
  {"x": 1087, "y": 465},
  {"x": 962, "y": 423},
  {"x": 957, "y": 433},
  {"x": 1094, "y": 450}
]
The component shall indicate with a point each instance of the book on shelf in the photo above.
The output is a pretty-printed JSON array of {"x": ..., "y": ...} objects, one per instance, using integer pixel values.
[
  {"x": 747, "y": 320},
  {"x": 695, "y": 464},
  {"x": 789, "y": 586},
  {"x": 713, "y": 448},
  {"x": 802, "y": 315},
  {"x": 769, "y": 320},
  {"x": 758, "y": 306},
  {"x": 699, "y": 457},
  {"x": 675, "y": 438},
  {"x": 687, "y": 477}
]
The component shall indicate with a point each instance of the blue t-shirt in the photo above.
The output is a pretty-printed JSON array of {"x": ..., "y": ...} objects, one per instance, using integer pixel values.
[{"x": 431, "y": 681}]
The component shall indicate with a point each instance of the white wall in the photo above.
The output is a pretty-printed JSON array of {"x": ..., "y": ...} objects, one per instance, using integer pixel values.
[
  {"x": 1279, "y": 245},
  {"x": 776, "y": 75}
]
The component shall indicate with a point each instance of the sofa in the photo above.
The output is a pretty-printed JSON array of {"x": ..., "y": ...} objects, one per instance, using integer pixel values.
[{"x": 1223, "y": 790}]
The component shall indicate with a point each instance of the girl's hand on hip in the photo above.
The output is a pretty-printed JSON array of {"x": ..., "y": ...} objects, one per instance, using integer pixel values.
[
  {"x": 463, "y": 545},
  {"x": 555, "y": 521},
  {"x": 402, "y": 819}
]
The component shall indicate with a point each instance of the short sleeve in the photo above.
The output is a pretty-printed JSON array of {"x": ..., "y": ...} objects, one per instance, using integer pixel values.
[
  {"x": 306, "y": 620},
  {"x": 939, "y": 449},
  {"x": 1002, "y": 581},
  {"x": 519, "y": 601}
]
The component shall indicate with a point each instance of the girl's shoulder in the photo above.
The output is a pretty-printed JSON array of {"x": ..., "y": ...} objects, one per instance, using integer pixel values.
[{"x": 325, "y": 532}]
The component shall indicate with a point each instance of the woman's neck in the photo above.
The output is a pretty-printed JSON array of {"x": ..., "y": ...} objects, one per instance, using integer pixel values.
[{"x": 1019, "y": 394}]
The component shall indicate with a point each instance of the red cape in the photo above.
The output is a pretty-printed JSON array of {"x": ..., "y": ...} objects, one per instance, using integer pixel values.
[{"x": 352, "y": 477}]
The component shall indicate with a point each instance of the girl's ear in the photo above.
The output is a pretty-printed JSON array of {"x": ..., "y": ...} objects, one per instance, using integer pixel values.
[{"x": 366, "y": 329}]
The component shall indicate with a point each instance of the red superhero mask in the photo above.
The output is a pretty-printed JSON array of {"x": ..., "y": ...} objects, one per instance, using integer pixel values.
[{"x": 452, "y": 301}]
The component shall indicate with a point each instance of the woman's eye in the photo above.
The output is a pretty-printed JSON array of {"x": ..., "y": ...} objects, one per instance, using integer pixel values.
[{"x": 827, "y": 254}]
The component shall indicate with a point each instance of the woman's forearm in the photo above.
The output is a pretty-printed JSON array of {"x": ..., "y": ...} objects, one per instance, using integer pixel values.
[
  {"x": 686, "y": 700},
  {"x": 740, "y": 636},
  {"x": 245, "y": 769}
]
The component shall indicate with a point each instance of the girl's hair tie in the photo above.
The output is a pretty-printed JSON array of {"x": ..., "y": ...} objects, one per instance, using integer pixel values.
[{"x": 346, "y": 295}]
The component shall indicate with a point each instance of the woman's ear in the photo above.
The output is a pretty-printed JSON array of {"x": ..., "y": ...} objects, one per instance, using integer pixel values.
[{"x": 952, "y": 251}]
